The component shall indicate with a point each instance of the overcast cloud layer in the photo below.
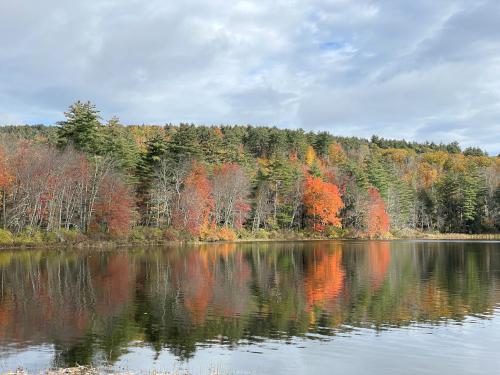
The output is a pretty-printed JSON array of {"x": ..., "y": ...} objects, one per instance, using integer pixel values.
[{"x": 420, "y": 70}]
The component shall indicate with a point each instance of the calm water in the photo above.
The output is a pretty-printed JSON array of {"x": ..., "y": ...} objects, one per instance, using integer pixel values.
[{"x": 263, "y": 308}]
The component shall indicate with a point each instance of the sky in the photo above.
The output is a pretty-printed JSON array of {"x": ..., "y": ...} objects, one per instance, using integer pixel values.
[{"x": 419, "y": 70}]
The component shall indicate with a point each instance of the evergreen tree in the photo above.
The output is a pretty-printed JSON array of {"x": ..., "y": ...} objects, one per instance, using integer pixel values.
[
  {"x": 82, "y": 128},
  {"x": 184, "y": 144},
  {"x": 277, "y": 142},
  {"x": 377, "y": 174},
  {"x": 400, "y": 203},
  {"x": 496, "y": 209},
  {"x": 297, "y": 142},
  {"x": 211, "y": 141},
  {"x": 321, "y": 143},
  {"x": 156, "y": 149},
  {"x": 119, "y": 144},
  {"x": 474, "y": 151},
  {"x": 449, "y": 203},
  {"x": 257, "y": 141},
  {"x": 453, "y": 148},
  {"x": 232, "y": 144}
]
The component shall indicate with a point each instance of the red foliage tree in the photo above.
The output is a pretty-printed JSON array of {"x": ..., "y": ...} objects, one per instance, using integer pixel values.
[
  {"x": 323, "y": 202},
  {"x": 378, "y": 219},
  {"x": 195, "y": 203},
  {"x": 5, "y": 175},
  {"x": 113, "y": 210}
]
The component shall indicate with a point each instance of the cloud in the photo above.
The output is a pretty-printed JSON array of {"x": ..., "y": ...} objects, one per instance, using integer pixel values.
[{"x": 423, "y": 70}]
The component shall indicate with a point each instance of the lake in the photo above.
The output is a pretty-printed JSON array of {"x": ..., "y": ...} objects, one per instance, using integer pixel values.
[{"x": 322, "y": 307}]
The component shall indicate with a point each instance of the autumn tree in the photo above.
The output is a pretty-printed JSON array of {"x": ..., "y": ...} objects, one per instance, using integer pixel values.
[
  {"x": 5, "y": 174},
  {"x": 52, "y": 189},
  {"x": 336, "y": 155},
  {"x": 323, "y": 202},
  {"x": 195, "y": 203},
  {"x": 378, "y": 219},
  {"x": 5, "y": 181},
  {"x": 114, "y": 207},
  {"x": 310, "y": 156}
]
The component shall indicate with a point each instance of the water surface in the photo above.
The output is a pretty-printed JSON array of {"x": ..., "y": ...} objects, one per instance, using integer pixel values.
[{"x": 424, "y": 307}]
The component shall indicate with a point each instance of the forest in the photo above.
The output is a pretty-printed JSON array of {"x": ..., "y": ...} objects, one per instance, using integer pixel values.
[{"x": 87, "y": 178}]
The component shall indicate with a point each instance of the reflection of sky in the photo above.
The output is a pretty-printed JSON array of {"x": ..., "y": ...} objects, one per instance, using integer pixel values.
[
  {"x": 470, "y": 347},
  {"x": 31, "y": 359}
]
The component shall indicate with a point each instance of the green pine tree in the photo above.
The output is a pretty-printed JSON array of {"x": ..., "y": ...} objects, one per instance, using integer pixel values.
[
  {"x": 82, "y": 128},
  {"x": 118, "y": 143}
]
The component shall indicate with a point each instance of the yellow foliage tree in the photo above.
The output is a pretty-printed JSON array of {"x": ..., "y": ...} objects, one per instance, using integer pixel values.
[
  {"x": 336, "y": 154},
  {"x": 310, "y": 156}
]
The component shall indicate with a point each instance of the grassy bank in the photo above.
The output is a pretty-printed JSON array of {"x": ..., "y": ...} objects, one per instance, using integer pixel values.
[
  {"x": 156, "y": 236},
  {"x": 458, "y": 236}
]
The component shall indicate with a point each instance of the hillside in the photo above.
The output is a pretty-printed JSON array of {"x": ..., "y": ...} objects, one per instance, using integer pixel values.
[{"x": 103, "y": 179}]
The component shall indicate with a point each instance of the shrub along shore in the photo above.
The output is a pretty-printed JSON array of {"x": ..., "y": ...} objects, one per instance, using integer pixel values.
[{"x": 155, "y": 236}]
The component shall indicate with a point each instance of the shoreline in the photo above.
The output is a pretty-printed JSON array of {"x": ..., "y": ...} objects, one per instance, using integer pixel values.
[{"x": 100, "y": 244}]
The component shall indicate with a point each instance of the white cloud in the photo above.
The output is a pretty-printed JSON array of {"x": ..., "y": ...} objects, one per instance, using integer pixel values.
[{"x": 423, "y": 70}]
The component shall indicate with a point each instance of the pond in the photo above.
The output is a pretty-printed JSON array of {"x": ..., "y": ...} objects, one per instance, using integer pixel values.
[{"x": 322, "y": 307}]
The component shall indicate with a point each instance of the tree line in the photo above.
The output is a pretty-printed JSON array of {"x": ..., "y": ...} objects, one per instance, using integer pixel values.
[{"x": 183, "y": 181}]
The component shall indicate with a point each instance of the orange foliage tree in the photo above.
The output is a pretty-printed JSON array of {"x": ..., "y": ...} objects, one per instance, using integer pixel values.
[
  {"x": 378, "y": 219},
  {"x": 113, "y": 210},
  {"x": 323, "y": 202},
  {"x": 196, "y": 202}
]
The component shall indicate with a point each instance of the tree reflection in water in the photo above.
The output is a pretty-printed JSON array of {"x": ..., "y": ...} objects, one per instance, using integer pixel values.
[{"x": 93, "y": 305}]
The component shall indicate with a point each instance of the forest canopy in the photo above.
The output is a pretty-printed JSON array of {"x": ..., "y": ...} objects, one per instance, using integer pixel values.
[{"x": 101, "y": 178}]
